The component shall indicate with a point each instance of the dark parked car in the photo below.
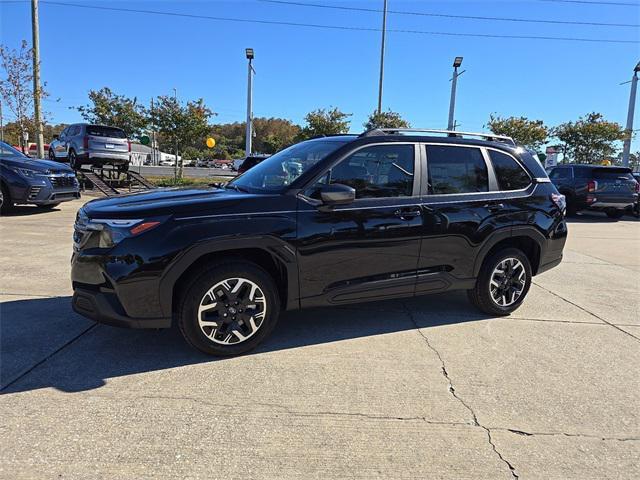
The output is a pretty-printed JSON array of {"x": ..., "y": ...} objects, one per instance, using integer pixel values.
[
  {"x": 25, "y": 180},
  {"x": 612, "y": 190},
  {"x": 96, "y": 145},
  {"x": 330, "y": 221},
  {"x": 250, "y": 162}
]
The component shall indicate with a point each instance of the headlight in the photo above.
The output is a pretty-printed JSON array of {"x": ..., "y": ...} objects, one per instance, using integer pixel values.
[
  {"x": 27, "y": 172},
  {"x": 114, "y": 231}
]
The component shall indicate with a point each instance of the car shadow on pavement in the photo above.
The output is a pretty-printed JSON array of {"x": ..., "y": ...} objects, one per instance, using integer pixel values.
[
  {"x": 23, "y": 210},
  {"x": 45, "y": 344},
  {"x": 598, "y": 217}
]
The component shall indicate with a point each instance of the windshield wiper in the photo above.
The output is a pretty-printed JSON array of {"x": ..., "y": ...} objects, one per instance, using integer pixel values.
[{"x": 236, "y": 188}]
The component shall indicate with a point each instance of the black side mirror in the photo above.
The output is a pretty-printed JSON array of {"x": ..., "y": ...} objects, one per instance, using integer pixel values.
[{"x": 337, "y": 194}]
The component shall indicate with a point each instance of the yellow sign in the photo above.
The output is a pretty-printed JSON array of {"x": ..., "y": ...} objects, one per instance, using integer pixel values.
[
  {"x": 606, "y": 163},
  {"x": 211, "y": 142}
]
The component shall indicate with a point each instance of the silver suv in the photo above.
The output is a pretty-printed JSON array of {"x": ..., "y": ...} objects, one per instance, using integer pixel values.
[{"x": 85, "y": 144}]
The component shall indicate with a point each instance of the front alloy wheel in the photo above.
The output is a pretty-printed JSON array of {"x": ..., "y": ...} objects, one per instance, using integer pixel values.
[
  {"x": 232, "y": 311},
  {"x": 228, "y": 307}
]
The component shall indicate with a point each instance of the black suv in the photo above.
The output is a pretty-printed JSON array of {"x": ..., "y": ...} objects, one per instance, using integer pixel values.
[
  {"x": 612, "y": 190},
  {"x": 329, "y": 221}
]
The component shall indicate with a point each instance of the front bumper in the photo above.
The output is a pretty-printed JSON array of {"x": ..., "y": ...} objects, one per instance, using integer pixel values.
[{"x": 104, "y": 308}]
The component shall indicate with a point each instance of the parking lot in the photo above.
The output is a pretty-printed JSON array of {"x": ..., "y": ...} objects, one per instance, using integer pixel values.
[{"x": 425, "y": 388}]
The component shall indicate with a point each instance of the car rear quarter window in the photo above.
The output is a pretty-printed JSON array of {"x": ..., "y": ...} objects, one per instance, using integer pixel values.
[
  {"x": 456, "y": 170},
  {"x": 110, "y": 132},
  {"x": 509, "y": 173},
  {"x": 612, "y": 173}
]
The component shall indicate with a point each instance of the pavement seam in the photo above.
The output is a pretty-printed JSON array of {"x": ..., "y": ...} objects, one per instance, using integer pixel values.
[
  {"x": 453, "y": 392},
  {"x": 564, "y": 434},
  {"x": 606, "y": 262},
  {"x": 31, "y": 295},
  {"x": 48, "y": 357},
  {"x": 587, "y": 311}
]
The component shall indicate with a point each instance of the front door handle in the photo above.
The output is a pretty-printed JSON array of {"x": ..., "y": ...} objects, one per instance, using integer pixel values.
[
  {"x": 407, "y": 213},
  {"x": 494, "y": 207}
]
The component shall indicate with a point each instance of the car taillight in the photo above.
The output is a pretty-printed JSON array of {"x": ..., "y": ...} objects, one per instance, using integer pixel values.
[
  {"x": 129, "y": 145},
  {"x": 560, "y": 201},
  {"x": 592, "y": 186},
  {"x": 86, "y": 142}
]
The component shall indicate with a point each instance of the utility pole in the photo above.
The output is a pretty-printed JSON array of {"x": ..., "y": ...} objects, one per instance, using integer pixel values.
[
  {"x": 175, "y": 166},
  {"x": 1, "y": 125},
  {"x": 153, "y": 136},
  {"x": 384, "y": 34},
  {"x": 454, "y": 83},
  {"x": 626, "y": 148},
  {"x": 35, "y": 30},
  {"x": 249, "y": 127}
]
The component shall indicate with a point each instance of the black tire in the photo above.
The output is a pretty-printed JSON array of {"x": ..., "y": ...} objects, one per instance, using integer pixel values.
[
  {"x": 48, "y": 206},
  {"x": 124, "y": 168},
  {"x": 6, "y": 205},
  {"x": 572, "y": 208},
  {"x": 194, "y": 293},
  {"x": 615, "y": 213},
  {"x": 481, "y": 296},
  {"x": 73, "y": 160}
]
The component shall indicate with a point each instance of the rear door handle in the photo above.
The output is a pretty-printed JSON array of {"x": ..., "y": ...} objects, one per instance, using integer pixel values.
[
  {"x": 494, "y": 207},
  {"x": 408, "y": 213}
]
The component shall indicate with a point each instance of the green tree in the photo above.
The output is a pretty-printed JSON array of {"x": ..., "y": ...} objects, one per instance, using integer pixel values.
[
  {"x": 180, "y": 126},
  {"x": 108, "y": 108},
  {"x": 529, "y": 133},
  {"x": 386, "y": 119},
  {"x": 591, "y": 139},
  {"x": 325, "y": 122}
]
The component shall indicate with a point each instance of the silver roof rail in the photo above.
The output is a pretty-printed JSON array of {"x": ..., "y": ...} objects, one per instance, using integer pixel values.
[{"x": 449, "y": 133}]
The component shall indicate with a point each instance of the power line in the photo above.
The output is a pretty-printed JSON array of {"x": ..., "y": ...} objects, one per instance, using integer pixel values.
[
  {"x": 444, "y": 15},
  {"x": 620, "y": 4},
  {"x": 339, "y": 27}
]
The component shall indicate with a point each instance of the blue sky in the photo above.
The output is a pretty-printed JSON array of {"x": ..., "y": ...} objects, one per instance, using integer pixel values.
[{"x": 303, "y": 68}]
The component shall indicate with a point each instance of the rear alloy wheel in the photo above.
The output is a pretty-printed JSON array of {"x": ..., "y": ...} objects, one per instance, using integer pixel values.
[
  {"x": 73, "y": 160},
  {"x": 6, "y": 204},
  {"x": 503, "y": 283},
  {"x": 228, "y": 308}
]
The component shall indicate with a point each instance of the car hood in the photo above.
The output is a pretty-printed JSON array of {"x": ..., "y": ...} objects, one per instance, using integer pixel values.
[
  {"x": 172, "y": 201},
  {"x": 36, "y": 164}
]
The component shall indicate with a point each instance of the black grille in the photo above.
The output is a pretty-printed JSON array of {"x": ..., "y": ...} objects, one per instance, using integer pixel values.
[{"x": 63, "y": 181}]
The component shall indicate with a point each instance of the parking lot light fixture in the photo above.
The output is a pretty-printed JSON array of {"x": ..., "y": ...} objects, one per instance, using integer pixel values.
[
  {"x": 454, "y": 83},
  {"x": 249, "y": 53},
  {"x": 457, "y": 62},
  {"x": 250, "y": 72}
]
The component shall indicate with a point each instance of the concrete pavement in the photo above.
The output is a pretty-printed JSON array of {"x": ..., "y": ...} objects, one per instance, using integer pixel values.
[{"x": 426, "y": 388}]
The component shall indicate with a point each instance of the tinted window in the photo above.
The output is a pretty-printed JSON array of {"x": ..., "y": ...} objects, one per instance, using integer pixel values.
[
  {"x": 99, "y": 131},
  {"x": 509, "y": 173},
  {"x": 456, "y": 170},
  {"x": 583, "y": 172},
  {"x": 560, "y": 173},
  {"x": 74, "y": 130},
  {"x": 612, "y": 173},
  {"x": 378, "y": 171}
]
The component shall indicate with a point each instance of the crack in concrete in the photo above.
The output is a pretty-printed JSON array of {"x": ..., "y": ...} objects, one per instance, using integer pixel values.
[
  {"x": 453, "y": 392},
  {"x": 565, "y": 434},
  {"x": 587, "y": 311},
  {"x": 288, "y": 411}
]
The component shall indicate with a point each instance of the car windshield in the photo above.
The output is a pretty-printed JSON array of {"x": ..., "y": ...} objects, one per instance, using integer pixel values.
[
  {"x": 281, "y": 169},
  {"x": 7, "y": 151}
]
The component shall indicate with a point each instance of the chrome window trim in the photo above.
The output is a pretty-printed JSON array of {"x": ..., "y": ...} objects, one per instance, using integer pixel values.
[{"x": 518, "y": 163}]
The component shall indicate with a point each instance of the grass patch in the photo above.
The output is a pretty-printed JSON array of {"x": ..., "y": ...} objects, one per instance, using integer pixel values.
[{"x": 186, "y": 182}]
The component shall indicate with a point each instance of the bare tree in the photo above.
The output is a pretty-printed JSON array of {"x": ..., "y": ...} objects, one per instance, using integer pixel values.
[{"x": 16, "y": 86}]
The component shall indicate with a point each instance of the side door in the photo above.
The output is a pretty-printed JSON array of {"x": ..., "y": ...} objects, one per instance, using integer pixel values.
[
  {"x": 367, "y": 249},
  {"x": 60, "y": 149},
  {"x": 461, "y": 209}
]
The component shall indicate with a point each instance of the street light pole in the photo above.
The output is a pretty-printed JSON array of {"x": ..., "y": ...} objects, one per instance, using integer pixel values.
[
  {"x": 626, "y": 148},
  {"x": 384, "y": 32},
  {"x": 36, "y": 78},
  {"x": 249, "y": 126},
  {"x": 454, "y": 83},
  {"x": 175, "y": 167}
]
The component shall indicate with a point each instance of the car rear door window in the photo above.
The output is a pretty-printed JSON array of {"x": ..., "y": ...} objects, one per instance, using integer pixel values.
[
  {"x": 456, "y": 170},
  {"x": 509, "y": 173},
  {"x": 378, "y": 171}
]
